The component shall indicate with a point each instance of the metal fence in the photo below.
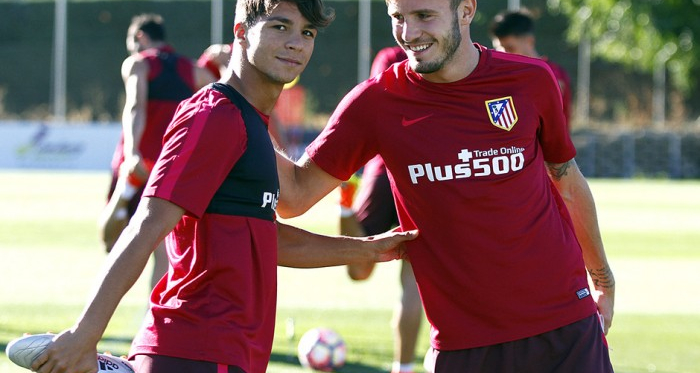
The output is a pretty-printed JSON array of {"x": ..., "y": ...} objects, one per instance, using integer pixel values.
[{"x": 642, "y": 153}]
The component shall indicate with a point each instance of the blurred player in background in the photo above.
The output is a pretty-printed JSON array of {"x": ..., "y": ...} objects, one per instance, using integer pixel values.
[
  {"x": 215, "y": 59},
  {"x": 480, "y": 160},
  {"x": 213, "y": 193},
  {"x": 513, "y": 31},
  {"x": 156, "y": 79},
  {"x": 372, "y": 211}
]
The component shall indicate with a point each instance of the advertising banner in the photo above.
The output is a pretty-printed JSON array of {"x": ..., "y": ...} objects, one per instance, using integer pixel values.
[{"x": 40, "y": 145}]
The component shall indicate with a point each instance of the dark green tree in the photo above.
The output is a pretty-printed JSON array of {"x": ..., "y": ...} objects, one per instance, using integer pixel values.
[{"x": 640, "y": 33}]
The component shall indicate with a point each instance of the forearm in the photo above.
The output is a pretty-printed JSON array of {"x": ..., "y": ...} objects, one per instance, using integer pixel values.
[
  {"x": 583, "y": 213},
  {"x": 122, "y": 269},
  {"x": 579, "y": 201},
  {"x": 153, "y": 220},
  {"x": 303, "y": 249},
  {"x": 584, "y": 217},
  {"x": 74, "y": 349}
]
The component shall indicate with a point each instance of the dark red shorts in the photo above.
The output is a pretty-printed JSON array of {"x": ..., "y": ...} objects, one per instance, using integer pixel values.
[
  {"x": 576, "y": 348},
  {"x": 168, "y": 364}
]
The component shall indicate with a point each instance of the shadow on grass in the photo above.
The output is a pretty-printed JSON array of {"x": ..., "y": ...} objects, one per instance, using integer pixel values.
[{"x": 347, "y": 368}]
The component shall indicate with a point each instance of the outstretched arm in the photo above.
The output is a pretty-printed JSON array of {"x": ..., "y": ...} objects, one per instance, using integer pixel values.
[
  {"x": 74, "y": 350},
  {"x": 578, "y": 198},
  {"x": 302, "y": 249},
  {"x": 302, "y": 184}
]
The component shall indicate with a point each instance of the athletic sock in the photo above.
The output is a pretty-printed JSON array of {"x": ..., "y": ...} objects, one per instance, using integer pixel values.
[{"x": 398, "y": 367}]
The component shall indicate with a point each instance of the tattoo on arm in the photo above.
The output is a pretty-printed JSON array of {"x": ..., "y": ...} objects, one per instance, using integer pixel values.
[
  {"x": 558, "y": 170},
  {"x": 602, "y": 277}
]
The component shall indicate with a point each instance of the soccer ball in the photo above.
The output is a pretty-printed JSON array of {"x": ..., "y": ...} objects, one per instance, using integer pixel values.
[{"x": 322, "y": 349}]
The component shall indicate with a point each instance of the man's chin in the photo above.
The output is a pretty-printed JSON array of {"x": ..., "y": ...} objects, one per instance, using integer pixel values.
[{"x": 424, "y": 68}]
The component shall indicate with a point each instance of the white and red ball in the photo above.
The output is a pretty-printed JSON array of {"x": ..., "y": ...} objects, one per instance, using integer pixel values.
[{"x": 322, "y": 349}]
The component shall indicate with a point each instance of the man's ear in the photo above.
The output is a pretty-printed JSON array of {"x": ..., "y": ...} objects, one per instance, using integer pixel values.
[
  {"x": 467, "y": 11},
  {"x": 141, "y": 37},
  {"x": 239, "y": 32}
]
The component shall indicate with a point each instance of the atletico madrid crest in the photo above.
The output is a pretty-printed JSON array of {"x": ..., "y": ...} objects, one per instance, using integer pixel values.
[{"x": 502, "y": 112}]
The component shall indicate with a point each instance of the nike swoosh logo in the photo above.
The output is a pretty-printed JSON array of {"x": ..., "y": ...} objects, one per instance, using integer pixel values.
[{"x": 407, "y": 122}]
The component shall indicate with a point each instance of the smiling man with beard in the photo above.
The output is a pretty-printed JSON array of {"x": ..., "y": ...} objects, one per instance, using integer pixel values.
[{"x": 480, "y": 160}]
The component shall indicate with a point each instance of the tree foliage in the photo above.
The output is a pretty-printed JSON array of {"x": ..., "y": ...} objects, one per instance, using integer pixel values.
[{"x": 640, "y": 33}]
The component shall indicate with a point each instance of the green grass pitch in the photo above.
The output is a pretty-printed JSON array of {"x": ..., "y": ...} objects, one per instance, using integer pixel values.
[{"x": 50, "y": 254}]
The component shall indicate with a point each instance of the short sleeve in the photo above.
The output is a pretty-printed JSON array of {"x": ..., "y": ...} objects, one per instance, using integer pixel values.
[
  {"x": 554, "y": 135},
  {"x": 201, "y": 146},
  {"x": 348, "y": 141}
]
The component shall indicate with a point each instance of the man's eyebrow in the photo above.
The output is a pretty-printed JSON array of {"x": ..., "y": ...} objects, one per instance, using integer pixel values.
[
  {"x": 424, "y": 11},
  {"x": 416, "y": 11},
  {"x": 288, "y": 21},
  {"x": 280, "y": 19}
]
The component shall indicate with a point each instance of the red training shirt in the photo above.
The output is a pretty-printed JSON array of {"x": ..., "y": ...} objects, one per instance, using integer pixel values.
[
  {"x": 218, "y": 300},
  {"x": 497, "y": 259}
]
